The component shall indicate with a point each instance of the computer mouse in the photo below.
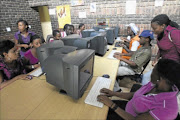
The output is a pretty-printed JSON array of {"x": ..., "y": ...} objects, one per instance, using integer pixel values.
[
  {"x": 114, "y": 48},
  {"x": 106, "y": 76}
]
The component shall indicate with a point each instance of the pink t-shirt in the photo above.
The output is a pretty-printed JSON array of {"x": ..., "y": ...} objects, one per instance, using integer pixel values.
[
  {"x": 162, "y": 106},
  {"x": 33, "y": 60},
  {"x": 166, "y": 48}
]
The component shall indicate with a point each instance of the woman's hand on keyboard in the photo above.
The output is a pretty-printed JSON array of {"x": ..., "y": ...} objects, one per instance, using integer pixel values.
[
  {"x": 105, "y": 100},
  {"x": 106, "y": 92}
]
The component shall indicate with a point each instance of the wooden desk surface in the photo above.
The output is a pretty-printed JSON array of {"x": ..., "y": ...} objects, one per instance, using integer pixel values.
[{"x": 37, "y": 99}]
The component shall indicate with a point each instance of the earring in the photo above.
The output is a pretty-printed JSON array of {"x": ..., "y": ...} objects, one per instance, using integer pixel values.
[{"x": 157, "y": 80}]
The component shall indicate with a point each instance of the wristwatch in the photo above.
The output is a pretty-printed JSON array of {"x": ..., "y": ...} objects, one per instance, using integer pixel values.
[{"x": 32, "y": 66}]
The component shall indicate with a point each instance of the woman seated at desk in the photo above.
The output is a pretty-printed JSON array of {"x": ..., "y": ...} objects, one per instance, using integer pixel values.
[
  {"x": 156, "y": 100},
  {"x": 31, "y": 55},
  {"x": 12, "y": 68}
]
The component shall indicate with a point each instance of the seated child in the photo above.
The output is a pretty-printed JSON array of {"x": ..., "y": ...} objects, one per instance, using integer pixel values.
[
  {"x": 31, "y": 54},
  {"x": 56, "y": 35}
]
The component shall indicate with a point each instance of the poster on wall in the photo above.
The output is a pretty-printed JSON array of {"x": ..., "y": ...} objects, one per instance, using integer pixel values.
[
  {"x": 93, "y": 7},
  {"x": 77, "y": 2},
  {"x": 131, "y": 7},
  {"x": 64, "y": 15}
]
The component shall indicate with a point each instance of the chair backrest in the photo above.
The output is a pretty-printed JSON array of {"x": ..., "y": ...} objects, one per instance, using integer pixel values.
[
  {"x": 48, "y": 38},
  {"x": 144, "y": 67}
]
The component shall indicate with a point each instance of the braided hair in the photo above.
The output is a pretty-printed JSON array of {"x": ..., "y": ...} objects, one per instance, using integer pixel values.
[{"x": 164, "y": 19}]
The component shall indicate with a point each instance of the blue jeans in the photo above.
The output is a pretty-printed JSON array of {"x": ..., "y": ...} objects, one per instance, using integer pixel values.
[{"x": 146, "y": 77}]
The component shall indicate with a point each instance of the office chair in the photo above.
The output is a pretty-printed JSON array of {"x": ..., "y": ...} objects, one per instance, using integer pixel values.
[{"x": 136, "y": 77}]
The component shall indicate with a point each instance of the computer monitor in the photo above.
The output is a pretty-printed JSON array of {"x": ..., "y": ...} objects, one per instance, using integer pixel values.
[
  {"x": 71, "y": 72},
  {"x": 116, "y": 31},
  {"x": 75, "y": 40},
  {"x": 99, "y": 42},
  {"x": 51, "y": 48},
  {"x": 110, "y": 34},
  {"x": 87, "y": 32}
]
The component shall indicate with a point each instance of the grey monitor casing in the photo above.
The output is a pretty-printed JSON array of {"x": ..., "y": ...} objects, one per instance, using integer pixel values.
[
  {"x": 51, "y": 48},
  {"x": 99, "y": 43},
  {"x": 87, "y": 32},
  {"x": 63, "y": 71},
  {"x": 76, "y": 41}
]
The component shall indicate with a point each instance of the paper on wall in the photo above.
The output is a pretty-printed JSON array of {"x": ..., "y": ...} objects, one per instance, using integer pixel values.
[
  {"x": 131, "y": 7},
  {"x": 93, "y": 7},
  {"x": 159, "y": 2},
  {"x": 52, "y": 12},
  {"x": 82, "y": 14}
]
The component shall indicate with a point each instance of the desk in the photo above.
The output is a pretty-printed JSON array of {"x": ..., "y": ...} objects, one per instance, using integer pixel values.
[{"x": 36, "y": 99}]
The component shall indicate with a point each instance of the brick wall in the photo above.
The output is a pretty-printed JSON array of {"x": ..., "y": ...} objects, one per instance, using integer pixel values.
[
  {"x": 11, "y": 11},
  {"x": 114, "y": 10}
]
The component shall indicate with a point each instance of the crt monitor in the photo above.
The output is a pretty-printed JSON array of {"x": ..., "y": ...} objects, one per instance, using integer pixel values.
[
  {"x": 71, "y": 72},
  {"x": 76, "y": 41},
  {"x": 116, "y": 31},
  {"x": 110, "y": 35},
  {"x": 87, "y": 32},
  {"x": 99, "y": 42},
  {"x": 51, "y": 48}
]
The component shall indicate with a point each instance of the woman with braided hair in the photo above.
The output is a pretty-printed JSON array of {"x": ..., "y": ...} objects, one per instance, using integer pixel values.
[{"x": 168, "y": 41}]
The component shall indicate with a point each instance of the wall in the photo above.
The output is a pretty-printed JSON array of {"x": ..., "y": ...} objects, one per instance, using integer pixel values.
[
  {"x": 11, "y": 11},
  {"x": 115, "y": 11},
  {"x": 112, "y": 9}
]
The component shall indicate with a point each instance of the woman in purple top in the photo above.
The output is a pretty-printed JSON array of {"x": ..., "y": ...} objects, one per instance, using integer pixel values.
[
  {"x": 22, "y": 37},
  {"x": 31, "y": 54},
  {"x": 162, "y": 25},
  {"x": 11, "y": 68},
  {"x": 156, "y": 100}
]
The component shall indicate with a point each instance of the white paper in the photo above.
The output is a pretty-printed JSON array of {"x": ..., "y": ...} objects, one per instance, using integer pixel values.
[
  {"x": 118, "y": 39},
  {"x": 131, "y": 7},
  {"x": 159, "y": 2},
  {"x": 111, "y": 54},
  {"x": 93, "y": 7},
  {"x": 82, "y": 14},
  {"x": 52, "y": 12},
  {"x": 8, "y": 29}
]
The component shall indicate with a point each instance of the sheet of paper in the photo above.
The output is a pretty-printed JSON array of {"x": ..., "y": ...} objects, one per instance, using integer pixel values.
[
  {"x": 110, "y": 56},
  {"x": 82, "y": 14},
  {"x": 118, "y": 39},
  {"x": 93, "y": 7},
  {"x": 52, "y": 12},
  {"x": 159, "y": 2},
  {"x": 131, "y": 7}
]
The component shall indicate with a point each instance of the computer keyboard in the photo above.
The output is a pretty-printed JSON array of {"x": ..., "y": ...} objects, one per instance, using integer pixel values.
[
  {"x": 111, "y": 54},
  {"x": 117, "y": 44},
  {"x": 37, "y": 72},
  {"x": 100, "y": 83}
]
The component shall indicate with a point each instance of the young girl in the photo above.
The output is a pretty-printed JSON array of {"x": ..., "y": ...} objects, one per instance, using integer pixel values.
[
  {"x": 163, "y": 27},
  {"x": 156, "y": 100},
  {"x": 11, "y": 67},
  {"x": 23, "y": 36},
  {"x": 81, "y": 28},
  {"x": 31, "y": 54},
  {"x": 56, "y": 35}
]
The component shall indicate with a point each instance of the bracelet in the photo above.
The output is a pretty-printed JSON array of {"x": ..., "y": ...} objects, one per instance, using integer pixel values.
[{"x": 115, "y": 107}]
